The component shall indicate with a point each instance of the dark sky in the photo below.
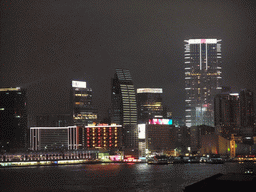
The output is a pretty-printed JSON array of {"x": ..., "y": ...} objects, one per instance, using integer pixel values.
[{"x": 44, "y": 44}]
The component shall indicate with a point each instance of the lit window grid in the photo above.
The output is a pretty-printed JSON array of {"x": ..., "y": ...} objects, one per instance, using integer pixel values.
[{"x": 108, "y": 138}]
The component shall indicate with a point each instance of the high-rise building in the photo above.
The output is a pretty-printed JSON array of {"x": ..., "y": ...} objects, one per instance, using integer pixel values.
[
  {"x": 149, "y": 104},
  {"x": 247, "y": 116},
  {"x": 227, "y": 110},
  {"x": 13, "y": 118},
  {"x": 246, "y": 108},
  {"x": 82, "y": 108},
  {"x": 202, "y": 80},
  {"x": 124, "y": 108}
]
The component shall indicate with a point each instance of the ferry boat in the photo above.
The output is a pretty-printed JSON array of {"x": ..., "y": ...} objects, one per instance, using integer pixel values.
[
  {"x": 158, "y": 159},
  {"x": 215, "y": 159}
]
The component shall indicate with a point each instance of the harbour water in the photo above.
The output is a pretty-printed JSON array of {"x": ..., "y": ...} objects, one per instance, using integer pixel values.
[{"x": 112, "y": 176}]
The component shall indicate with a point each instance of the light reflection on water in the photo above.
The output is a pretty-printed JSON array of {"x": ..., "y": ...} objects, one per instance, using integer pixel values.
[{"x": 111, "y": 177}]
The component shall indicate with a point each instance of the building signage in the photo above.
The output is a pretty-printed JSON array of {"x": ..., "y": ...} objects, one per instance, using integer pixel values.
[
  {"x": 150, "y": 90},
  {"x": 142, "y": 131},
  {"x": 198, "y": 41},
  {"x": 79, "y": 84},
  {"x": 160, "y": 121}
]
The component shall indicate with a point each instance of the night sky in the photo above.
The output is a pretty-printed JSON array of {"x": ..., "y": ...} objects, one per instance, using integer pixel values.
[{"x": 44, "y": 44}]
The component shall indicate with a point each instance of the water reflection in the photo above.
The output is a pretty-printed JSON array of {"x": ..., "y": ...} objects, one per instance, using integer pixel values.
[{"x": 112, "y": 177}]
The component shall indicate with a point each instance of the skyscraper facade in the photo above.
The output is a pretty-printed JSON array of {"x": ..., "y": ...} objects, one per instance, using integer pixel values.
[
  {"x": 227, "y": 113},
  {"x": 124, "y": 109},
  {"x": 149, "y": 103},
  {"x": 124, "y": 106},
  {"x": 202, "y": 80},
  {"x": 246, "y": 108},
  {"x": 82, "y": 108},
  {"x": 13, "y": 118},
  {"x": 227, "y": 110}
]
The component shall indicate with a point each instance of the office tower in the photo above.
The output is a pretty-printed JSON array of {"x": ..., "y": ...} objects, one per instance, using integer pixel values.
[
  {"x": 202, "y": 80},
  {"x": 247, "y": 116},
  {"x": 226, "y": 110},
  {"x": 124, "y": 104},
  {"x": 149, "y": 104},
  {"x": 246, "y": 108},
  {"x": 13, "y": 119},
  {"x": 82, "y": 108},
  {"x": 124, "y": 107}
]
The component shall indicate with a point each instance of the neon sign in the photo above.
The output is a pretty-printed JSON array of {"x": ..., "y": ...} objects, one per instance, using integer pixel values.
[{"x": 160, "y": 121}]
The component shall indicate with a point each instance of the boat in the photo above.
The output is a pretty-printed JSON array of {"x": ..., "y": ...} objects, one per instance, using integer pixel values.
[
  {"x": 158, "y": 159},
  {"x": 215, "y": 159}
]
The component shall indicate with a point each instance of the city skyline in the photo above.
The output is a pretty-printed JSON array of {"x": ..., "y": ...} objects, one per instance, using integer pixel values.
[{"x": 56, "y": 42}]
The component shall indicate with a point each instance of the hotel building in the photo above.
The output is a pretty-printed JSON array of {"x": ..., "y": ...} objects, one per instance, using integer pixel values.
[
  {"x": 102, "y": 136},
  {"x": 202, "y": 80}
]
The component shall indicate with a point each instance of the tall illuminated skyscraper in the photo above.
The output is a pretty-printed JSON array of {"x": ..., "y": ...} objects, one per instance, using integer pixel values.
[
  {"x": 124, "y": 105},
  {"x": 124, "y": 109},
  {"x": 202, "y": 80}
]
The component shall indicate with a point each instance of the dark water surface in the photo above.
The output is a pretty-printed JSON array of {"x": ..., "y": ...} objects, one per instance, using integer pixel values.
[{"x": 111, "y": 177}]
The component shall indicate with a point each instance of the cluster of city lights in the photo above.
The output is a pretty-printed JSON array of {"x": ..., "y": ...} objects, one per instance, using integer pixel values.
[{"x": 102, "y": 137}]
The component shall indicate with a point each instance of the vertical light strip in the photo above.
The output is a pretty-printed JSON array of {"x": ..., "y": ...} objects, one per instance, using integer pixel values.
[
  {"x": 200, "y": 57},
  {"x": 206, "y": 56},
  {"x": 68, "y": 137},
  {"x": 39, "y": 139},
  {"x": 74, "y": 138},
  {"x": 36, "y": 139},
  {"x": 31, "y": 146}
]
